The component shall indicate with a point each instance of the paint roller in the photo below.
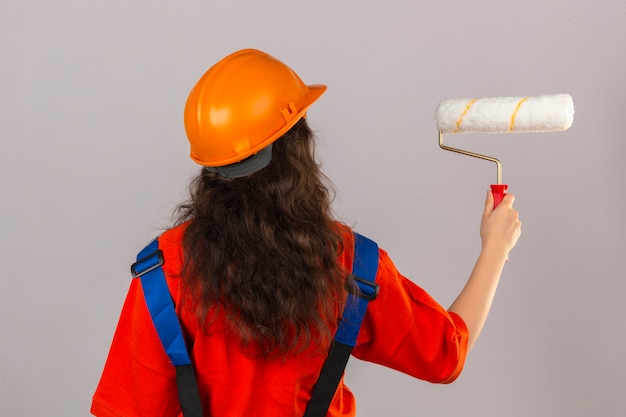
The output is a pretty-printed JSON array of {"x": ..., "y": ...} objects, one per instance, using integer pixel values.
[{"x": 547, "y": 113}]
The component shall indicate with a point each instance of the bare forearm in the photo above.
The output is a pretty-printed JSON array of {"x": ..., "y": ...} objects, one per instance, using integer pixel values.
[{"x": 474, "y": 301}]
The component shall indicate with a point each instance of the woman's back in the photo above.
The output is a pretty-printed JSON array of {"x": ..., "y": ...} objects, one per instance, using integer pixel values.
[{"x": 404, "y": 329}]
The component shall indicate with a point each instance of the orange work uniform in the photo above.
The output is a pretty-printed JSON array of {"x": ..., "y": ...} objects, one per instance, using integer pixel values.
[{"x": 404, "y": 329}]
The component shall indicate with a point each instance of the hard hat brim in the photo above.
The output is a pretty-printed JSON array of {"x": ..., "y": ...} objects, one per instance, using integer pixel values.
[{"x": 248, "y": 166}]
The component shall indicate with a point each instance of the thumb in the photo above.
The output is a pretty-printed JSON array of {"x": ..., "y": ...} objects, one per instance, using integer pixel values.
[{"x": 488, "y": 204}]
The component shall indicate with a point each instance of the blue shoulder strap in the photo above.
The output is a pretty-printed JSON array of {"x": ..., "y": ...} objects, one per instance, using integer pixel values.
[
  {"x": 159, "y": 302},
  {"x": 161, "y": 307},
  {"x": 364, "y": 269}
]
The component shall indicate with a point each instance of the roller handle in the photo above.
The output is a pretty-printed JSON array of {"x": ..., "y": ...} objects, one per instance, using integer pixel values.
[{"x": 498, "y": 191}]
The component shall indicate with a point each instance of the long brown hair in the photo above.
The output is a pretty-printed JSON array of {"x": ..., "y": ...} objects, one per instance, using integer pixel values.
[{"x": 263, "y": 250}]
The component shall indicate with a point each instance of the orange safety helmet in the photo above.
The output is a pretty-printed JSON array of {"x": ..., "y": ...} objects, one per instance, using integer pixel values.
[{"x": 241, "y": 105}]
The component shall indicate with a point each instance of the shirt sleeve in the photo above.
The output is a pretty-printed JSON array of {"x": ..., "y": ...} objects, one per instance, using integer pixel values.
[
  {"x": 138, "y": 379},
  {"x": 407, "y": 330}
]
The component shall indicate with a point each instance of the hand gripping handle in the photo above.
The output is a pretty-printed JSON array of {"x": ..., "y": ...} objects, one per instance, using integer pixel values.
[{"x": 499, "y": 191}]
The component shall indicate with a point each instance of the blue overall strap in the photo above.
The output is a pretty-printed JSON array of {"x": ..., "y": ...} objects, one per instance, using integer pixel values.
[
  {"x": 161, "y": 307},
  {"x": 364, "y": 269}
]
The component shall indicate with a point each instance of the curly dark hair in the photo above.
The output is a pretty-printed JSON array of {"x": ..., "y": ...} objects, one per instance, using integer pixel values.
[{"x": 263, "y": 249}]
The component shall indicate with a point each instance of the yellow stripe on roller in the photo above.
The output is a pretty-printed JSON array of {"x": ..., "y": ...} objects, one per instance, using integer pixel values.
[
  {"x": 514, "y": 115},
  {"x": 462, "y": 116}
]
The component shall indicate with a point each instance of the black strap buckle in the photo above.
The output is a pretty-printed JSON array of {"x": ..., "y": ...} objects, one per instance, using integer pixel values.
[
  {"x": 368, "y": 290},
  {"x": 147, "y": 264}
]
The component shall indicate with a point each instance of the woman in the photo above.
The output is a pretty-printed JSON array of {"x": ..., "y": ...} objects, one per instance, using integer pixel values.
[{"x": 258, "y": 268}]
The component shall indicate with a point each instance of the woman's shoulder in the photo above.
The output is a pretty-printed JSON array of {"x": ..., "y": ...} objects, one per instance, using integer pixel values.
[
  {"x": 171, "y": 243},
  {"x": 173, "y": 235}
]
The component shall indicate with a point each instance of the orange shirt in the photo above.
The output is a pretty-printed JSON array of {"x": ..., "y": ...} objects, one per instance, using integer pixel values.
[{"x": 404, "y": 329}]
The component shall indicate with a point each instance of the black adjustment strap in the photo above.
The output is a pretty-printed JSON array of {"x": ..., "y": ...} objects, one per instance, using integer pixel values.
[
  {"x": 329, "y": 378},
  {"x": 188, "y": 394}
]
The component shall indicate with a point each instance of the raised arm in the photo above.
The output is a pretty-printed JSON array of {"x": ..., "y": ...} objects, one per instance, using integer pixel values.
[{"x": 500, "y": 228}]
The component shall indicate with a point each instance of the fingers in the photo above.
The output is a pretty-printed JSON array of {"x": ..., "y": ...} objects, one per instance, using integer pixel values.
[
  {"x": 488, "y": 204},
  {"x": 508, "y": 200},
  {"x": 500, "y": 227},
  {"x": 507, "y": 203}
]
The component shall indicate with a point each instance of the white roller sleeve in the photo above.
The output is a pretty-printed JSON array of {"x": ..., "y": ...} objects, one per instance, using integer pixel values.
[{"x": 546, "y": 113}]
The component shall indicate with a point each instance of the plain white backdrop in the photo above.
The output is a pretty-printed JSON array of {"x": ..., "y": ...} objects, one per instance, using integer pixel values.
[{"x": 94, "y": 159}]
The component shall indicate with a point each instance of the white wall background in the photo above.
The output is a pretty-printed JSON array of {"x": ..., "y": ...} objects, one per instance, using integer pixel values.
[{"x": 94, "y": 158}]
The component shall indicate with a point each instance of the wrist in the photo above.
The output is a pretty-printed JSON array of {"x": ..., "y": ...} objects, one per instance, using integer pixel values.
[{"x": 494, "y": 252}]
